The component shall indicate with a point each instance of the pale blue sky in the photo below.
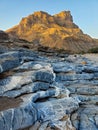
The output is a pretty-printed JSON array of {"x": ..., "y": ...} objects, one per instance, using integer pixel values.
[{"x": 84, "y": 12}]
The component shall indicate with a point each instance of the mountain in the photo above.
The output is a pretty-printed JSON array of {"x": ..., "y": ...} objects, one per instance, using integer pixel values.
[{"x": 55, "y": 31}]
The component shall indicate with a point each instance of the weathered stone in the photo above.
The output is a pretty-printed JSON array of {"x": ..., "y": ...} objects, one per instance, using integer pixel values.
[
  {"x": 15, "y": 82},
  {"x": 88, "y": 91},
  {"x": 20, "y": 79},
  {"x": 60, "y": 93},
  {"x": 55, "y": 110},
  {"x": 34, "y": 65},
  {"x": 96, "y": 120},
  {"x": 9, "y": 61},
  {"x": 86, "y": 123},
  {"x": 32, "y": 87},
  {"x": 90, "y": 69},
  {"x": 39, "y": 95},
  {"x": 64, "y": 77},
  {"x": 18, "y": 118},
  {"x": 62, "y": 67}
]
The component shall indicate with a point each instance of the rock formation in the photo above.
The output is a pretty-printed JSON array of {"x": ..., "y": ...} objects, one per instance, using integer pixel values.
[
  {"x": 57, "y": 31},
  {"x": 43, "y": 89},
  {"x": 3, "y": 36},
  {"x": 47, "y": 90}
]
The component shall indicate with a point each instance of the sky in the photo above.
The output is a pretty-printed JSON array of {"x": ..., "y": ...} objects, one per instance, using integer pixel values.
[{"x": 84, "y": 12}]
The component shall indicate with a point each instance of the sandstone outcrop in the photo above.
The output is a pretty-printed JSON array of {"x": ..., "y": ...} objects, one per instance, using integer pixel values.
[{"x": 54, "y": 31}]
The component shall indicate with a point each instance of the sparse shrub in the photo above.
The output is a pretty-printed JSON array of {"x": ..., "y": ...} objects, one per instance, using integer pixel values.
[
  {"x": 82, "y": 52},
  {"x": 93, "y": 50},
  {"x": 61, "y": 50}
]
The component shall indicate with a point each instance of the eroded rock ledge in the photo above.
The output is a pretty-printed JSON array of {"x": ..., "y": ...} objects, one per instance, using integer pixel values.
[{"x": 40, "y": 92}]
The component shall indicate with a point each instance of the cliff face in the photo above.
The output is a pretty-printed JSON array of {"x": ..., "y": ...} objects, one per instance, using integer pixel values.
[{"x": 57, "y": 31}]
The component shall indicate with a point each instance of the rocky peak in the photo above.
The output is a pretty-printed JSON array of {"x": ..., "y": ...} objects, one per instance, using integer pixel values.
[
  {"x": 64, "y": 15},
  {"x": 39, "y": 17},
  {"x": 41, "y": 14},
  {"x": 57, "y": 31},
  {"x": 65, "y": 19}
]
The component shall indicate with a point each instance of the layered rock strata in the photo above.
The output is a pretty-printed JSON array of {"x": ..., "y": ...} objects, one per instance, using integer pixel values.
[{"x": 41, "y": 91}]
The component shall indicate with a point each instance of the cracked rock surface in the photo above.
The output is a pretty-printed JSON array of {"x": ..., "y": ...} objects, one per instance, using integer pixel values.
[{"x": 44, "y": 92}]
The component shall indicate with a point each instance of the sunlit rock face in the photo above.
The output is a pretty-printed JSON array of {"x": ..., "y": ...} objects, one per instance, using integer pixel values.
[{"x": 54, "y": 31}]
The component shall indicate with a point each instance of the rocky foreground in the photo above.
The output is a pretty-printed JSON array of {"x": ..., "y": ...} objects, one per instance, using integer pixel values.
[{"x": 45, "y": 91}]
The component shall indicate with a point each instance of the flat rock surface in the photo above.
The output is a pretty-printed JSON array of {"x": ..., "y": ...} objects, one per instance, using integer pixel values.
[{"x": 92, "y": 57}]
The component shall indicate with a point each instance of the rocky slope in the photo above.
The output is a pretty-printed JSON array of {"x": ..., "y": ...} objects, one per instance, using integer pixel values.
[
  {"x": 57, "y": 31},
  {"x": 3, "y": 36},
  {"x": 47, "y": 90}
]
